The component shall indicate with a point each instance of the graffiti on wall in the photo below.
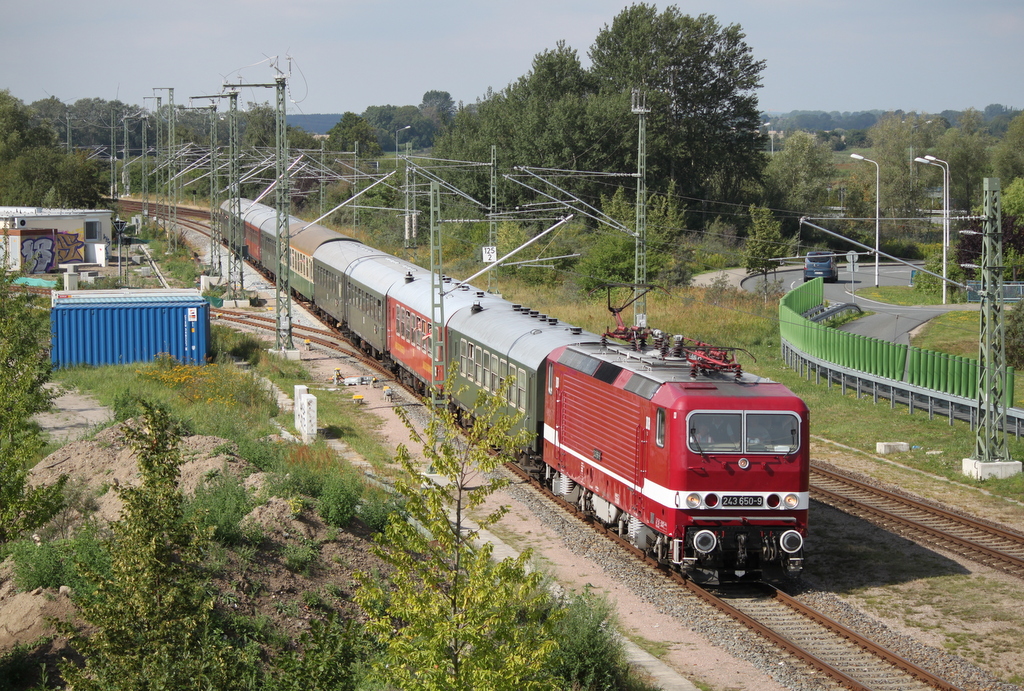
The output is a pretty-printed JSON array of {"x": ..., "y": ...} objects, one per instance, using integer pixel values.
[{"x": 42, "y": 254}]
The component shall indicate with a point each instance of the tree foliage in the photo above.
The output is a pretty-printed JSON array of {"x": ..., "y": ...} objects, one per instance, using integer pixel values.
[
  {"x": 34, "y": 170},
  {"x": 1008, "y": 157},
  {"x": 965, "y": 148},
  {"x": 24, "y": 371},
  {"x": 353, "y": 131},
  {"x": 763, "y": 243},
  {"x": 893, "y": 139},
  {"x": 451, "y": 619},
  {"x": 799, "y": 174},
  {"x": 699, "y": 79}
]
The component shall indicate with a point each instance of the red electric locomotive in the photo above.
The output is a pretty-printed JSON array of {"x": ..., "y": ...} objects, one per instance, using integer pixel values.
[{"x": 700, "y": 464}]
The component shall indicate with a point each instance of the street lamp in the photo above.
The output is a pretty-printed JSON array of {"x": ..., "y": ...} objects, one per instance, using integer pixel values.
[
  {"x": 878, "y": 192},
  {"x": 932, "y": 161},
  {"x": 400, "y": 129}
]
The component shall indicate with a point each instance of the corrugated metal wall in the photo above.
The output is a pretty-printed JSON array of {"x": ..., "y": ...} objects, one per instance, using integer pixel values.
[{"x": 112, "y": 331}]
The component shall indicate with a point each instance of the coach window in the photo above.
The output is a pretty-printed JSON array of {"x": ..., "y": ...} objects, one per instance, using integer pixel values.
[
  {"x": 462, "y": 356},
  {"x": 485, "y": 368},
  {"x": 659, "y": 428},
  {"x": 521, "y": 385}
]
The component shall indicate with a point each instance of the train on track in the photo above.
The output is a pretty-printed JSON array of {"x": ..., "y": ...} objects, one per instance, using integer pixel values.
[{"x": 701, "y": 465}]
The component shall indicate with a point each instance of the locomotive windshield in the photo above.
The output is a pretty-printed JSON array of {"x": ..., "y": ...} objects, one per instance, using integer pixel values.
[{"x": 743, "y": 433}]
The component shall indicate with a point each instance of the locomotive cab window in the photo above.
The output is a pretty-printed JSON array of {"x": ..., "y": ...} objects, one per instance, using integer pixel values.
[
  {"x": 715, "y": 432},
  {"x": 772, "y": 433},
  {"x": 659, "y": 428}
]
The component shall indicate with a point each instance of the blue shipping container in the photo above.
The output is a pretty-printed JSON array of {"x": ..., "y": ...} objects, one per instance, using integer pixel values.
[{"x": 93, "y": 327}]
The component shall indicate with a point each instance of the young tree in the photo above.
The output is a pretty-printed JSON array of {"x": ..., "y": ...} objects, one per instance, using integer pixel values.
[
  {"x": 763, "y": 243},
  {"x": 152, "y": 614},
  {"x": 451, "y": 619},
  {"x": 24, "y": 370}
]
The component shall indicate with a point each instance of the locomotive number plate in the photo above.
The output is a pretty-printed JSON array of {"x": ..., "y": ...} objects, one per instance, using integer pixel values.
[{"x": 742, "y": 501}]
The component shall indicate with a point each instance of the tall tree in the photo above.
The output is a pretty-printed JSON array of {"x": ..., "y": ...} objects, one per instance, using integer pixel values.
[
  {"x": 799, "y": 175},
  {"x": 896, "y": 139},
  {"x": 438, "y": 107},
  {"x": 451, "y": 619},
  {"x": 701, "y": 80},
  {"x": 35, "y": 170},
  {"x": 1008, "y": 157},
  {"x": 965, "y": 148},
  {"x": 352, "y": 129}
]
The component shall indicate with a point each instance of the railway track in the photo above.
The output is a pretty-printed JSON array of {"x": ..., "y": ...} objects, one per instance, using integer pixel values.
[
  {"x": 841, "y": 656},
  {"x": 971, "y": 538}
]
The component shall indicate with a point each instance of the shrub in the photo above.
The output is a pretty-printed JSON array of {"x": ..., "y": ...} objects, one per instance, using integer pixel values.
[
  {"x": 301, "y": 557},
  {"x": 265, "y": 455},
  {"x": 378, "y": 507},
  {"x": 60, "y": 562},
  {"x": 222, "y": 503},
  {"x": 589, "y": 656},
  {"x": 340, "y": 498}
]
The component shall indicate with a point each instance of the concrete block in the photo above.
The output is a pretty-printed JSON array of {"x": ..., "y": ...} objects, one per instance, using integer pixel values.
[
  {"x": 286, "y": 354},
  {"x": 891, "y": 446},
  {"x": 980, "y": 470}
]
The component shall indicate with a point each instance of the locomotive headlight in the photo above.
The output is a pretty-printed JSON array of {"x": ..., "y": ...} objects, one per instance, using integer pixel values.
[
  {"x": 792, "y": 501},
  {"x": 705, "y": 541},
  {"x": 693, "y": 500},
  {"x": 711, "y": 500},
  {"x": 773, "y": 501},
  {"x": 791, "y": 542},
  {"x": 743, "y": 463}
]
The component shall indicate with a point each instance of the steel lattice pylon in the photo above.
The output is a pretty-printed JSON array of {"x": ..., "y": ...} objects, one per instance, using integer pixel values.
[
  {"x": 437, "y": 354},
  {"x": 991, "y": 441},
  {"x": 640, "y": 267}
]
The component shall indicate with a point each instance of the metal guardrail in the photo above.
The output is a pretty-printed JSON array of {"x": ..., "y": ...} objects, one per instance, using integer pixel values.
[
  {"x": 822, "y": 313},
  {"x": 896, "y": 392},
  {"x": 1012, "y": 292}
]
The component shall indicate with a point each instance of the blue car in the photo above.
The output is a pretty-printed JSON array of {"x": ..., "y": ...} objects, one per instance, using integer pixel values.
[{"x": 821, "y": 265}]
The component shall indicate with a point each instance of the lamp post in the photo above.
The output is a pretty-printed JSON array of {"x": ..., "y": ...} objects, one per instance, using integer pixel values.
[
  {"x": 878, "y": 192},
  {"x": 932, "y": 161},
  {"x": 400, "y": 129}
]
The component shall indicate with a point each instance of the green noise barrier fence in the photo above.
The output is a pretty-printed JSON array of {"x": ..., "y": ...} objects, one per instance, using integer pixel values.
[{"x": 928, "y": 369}]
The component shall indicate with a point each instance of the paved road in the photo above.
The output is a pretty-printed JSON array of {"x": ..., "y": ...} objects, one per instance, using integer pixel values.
[{"x": 888, "y": 322}]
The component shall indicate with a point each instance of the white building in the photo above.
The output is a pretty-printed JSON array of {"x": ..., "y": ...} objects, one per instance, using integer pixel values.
[{"x": 39, "y": 240}]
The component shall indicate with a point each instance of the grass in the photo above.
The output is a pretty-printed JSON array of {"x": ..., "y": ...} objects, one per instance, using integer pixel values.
[
  {"x": 954, "y": 332},
  {"x": 900, "y": 295}
]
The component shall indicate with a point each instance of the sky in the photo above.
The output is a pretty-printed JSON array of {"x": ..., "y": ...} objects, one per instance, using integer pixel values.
[{"x": 346, "y": 55}]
